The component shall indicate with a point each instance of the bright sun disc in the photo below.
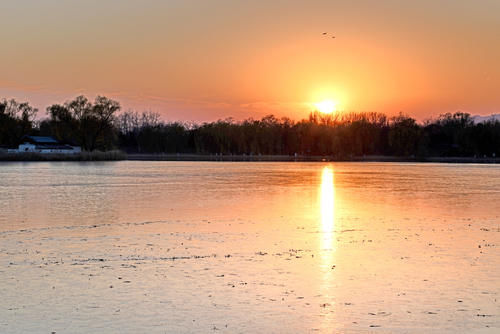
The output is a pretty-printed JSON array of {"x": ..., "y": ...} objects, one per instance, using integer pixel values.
[{"x": 326, "y": 106}]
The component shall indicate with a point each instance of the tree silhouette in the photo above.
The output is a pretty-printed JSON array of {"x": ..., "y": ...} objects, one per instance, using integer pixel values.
[{"x": 98, "y": 126}]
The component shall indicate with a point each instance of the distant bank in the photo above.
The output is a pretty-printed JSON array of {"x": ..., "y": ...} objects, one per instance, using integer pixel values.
[
  {"x": 284, "y": 158},
  {"x": 82, "y": 156},
  {"x": 118, "y": 155}
]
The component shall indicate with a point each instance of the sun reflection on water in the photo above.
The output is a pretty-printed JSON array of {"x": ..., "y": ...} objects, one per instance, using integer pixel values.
[
  {"x": 327, "y": 201},
  {"x": 326, "y": 243}
]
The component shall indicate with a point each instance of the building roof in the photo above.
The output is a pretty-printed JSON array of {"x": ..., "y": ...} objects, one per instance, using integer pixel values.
[
  {"x": 41, "y": 140},
  {"x": 48, "y": 146}
]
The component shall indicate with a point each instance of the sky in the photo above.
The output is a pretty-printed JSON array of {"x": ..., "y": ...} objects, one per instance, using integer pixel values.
[{"x": 212, "y": 59}]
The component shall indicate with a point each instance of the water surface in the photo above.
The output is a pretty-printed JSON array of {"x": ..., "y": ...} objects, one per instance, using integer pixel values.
[{"x": 130, "y": 247}]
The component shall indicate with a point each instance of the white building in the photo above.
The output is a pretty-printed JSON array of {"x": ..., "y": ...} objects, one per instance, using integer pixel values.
[{"x": 45, "y": 145}]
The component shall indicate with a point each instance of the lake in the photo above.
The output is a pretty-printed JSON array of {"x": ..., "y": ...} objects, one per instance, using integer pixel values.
[{"x": 188, "y": 247}]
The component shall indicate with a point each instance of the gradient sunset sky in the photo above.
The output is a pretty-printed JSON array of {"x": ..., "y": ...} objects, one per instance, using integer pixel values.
[{"x": 209, "y": 59}]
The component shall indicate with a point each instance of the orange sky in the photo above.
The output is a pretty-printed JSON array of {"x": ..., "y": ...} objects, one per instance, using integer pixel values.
[{"x": 204, "y": 60}]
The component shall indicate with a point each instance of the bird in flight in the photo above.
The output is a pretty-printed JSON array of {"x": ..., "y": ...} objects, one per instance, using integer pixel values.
[{"x": 325, "y": 33}]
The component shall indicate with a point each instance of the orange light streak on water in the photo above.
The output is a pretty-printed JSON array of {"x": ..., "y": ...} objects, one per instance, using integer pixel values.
[{"x": 327, "y": 206}]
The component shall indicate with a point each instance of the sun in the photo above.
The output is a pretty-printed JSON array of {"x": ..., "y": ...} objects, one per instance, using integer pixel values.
[{"x": 326, "y": 106}]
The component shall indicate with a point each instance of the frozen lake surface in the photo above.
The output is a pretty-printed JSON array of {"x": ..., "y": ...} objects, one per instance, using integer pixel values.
[{"x": 197, "y": 247}]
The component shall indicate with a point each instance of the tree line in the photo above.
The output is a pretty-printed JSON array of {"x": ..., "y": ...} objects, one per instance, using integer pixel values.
[{"x": 99, "y": 125}]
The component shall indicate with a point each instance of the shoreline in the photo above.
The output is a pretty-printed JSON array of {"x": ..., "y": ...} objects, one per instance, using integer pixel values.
[
  {"x": 121, "y": 156},
  {"x": 305, "y": 158},
  {"x": 83, "y": 156}
]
